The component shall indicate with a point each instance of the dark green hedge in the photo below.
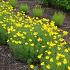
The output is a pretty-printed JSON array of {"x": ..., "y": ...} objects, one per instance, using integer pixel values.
[{"x": 65, "y": 4}]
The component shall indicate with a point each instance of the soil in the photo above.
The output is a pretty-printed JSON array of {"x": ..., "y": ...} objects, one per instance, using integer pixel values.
[{"x": 7, "y": 61}]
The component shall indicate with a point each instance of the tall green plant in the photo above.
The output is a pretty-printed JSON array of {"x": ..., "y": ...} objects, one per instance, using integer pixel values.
[
  {"x": 24, "y": 7},
  {"x": 38, "y": 11},
  {"x": 13, "y": 3},
  {"x": 58, "y": 18}
]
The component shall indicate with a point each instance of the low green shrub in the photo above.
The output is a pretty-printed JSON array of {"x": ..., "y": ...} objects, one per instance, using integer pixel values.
[
  {"x": 24, "y": 7},
  {"x": 58, "y": 18},
  {"x": 38, "y": 11},
  {"x": 13, "y": 3}
]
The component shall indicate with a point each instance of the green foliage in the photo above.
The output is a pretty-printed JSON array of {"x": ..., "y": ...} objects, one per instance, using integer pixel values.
[
  {"x": 38, "y": 11},
  {"x": 13, "y": 3},
  {"x": 24, "y": 7},
  {"x": 42, "y": 1},
  {"x": 58, "y": 18},
  {"x": 3, "y": 36},
  {"x": 65, "y": 4},
  {"x": 45, "y": 1}
]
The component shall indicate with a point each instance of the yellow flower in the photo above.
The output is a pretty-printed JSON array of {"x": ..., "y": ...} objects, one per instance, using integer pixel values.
[
  {"x": 43, "y": 46},
  {"x": 14, "y": 36},
  {"x": 18, "y": 25},
  {"x": 23, "y": 37},
  {"x": 26, "y": 26},
  {"x": 60, "y": 55},
  {"x": 69, "y": 49},
  {"x": 19, "y": 42},
  {"x": 62, "y": 44},
  {"x": 37, "y": 18},
  {"x": 18, "y": 13},
  {"x": 68, "y": 67},
  {"x": 65, "y": 32},
  {"x": 66, "y": 50},
  {"x": 30, "y": 40},
  {"x": 47, "y": 43},
  {"x": 44, "y": 26},
  {"x": 57, "y": 57},
  {"x": 16, "y": 42},
  {"x": 65, "y": 61},
  {"x": 7, "y": 40},
  {"x": 24, "y": 33},
  {"x": 51, "y": 59},
  {"x": 61, "y": 39},
  {"x": 42, "y": 63},
  {"x": 48, "y": 66},
  {"x": 44, "y": 19},
  {"x": 39, "y": 39},
  {"x": 32, "y": 66},
  {"x": 52, "y": 44},
  {"x": 52, "y": 23},
  {"x": 39, "y": 56},
  {"x": 26, "y": 43},
  {"x": 58, "y": 63},
  {"x": 35, "y": 33},
  {"x": 32, "y": 44},
  {"x": 45, "y": 34},
  {"x": 47, "y": 57},
  {"x": 19, "y": 34},
  {"x": 13, "y": 41},
  {"x": 59, "y": 48},
  {"x": 10, "y": 29},
  {"x": 49, "y": 52},
  {"x": 54, "y": 37},
  {"x": 20, "y": 19}
]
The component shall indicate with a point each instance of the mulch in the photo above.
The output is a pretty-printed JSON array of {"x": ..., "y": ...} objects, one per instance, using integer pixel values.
[{"x": 8, "y": 62}]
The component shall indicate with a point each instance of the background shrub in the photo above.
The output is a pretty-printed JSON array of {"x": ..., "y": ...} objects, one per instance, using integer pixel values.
[
  {"x": 65, "y": 4},
  {"x": 24, "y": 7},
  {"x": 38, "y": 11},
  {"x": 58, "y": 18}
]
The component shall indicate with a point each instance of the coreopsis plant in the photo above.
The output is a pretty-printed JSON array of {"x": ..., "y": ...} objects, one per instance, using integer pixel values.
[
  {"x": 39, "y": 43},
  {"x": 5, "y": 12}
]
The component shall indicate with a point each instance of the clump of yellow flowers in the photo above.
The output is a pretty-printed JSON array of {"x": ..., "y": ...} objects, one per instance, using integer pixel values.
[{"x": 36, "y": 41}]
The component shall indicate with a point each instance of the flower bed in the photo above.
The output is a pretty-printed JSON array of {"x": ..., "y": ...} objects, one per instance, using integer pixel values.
[{"x": 37, "y": 42}]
